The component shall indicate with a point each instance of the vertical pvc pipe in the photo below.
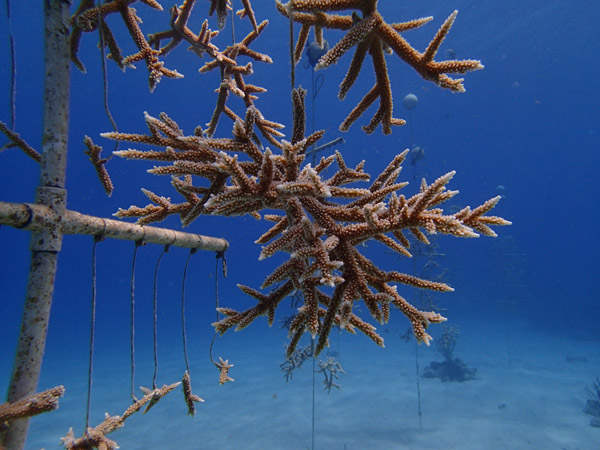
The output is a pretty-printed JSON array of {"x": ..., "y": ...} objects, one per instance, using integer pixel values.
[{"x": 45, "y": 244}]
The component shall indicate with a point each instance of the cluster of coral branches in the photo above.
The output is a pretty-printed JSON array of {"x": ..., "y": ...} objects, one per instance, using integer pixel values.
[
  {"x": 320, "y": 217},
  {"x": 317, "y": 218},
  {"x": 366, "y": 31}
]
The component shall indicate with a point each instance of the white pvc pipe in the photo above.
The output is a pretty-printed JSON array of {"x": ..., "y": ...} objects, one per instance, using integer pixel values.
[{"x": 37, "y": 217}]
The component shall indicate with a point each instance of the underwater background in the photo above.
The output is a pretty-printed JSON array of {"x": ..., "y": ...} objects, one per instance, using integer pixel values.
[{"x": 526, "y": 303}]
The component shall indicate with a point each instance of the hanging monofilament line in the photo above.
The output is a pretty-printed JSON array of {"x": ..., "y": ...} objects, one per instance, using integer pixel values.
[
  {"x": 316, "y": 87},
  {"x": 219, "y": 256},
  {"x": 312, "y": 350},
  {"x": 190, "y": 398},
  {"x": 104, "y": 76},
  {"x": 132, "y": 319},
  {"x": 232, "y": 29},
  {"x": 183, "y": 336},
  {"x": 154, "y": 308},
  {"x": 13, "y": 70},
  {"x": 419, "y": 411},
  {"x": 410, "y": 101},
  {"x": 411, "y": 142},
  {"x": 313, "y": 94},
  {"x": 292, "y": 59},
  {"x": 410, "y": 129},
  {"x": 97, "y": 238}
]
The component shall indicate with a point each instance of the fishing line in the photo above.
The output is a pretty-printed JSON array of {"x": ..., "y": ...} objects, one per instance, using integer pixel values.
[
  {"x": 419, "y": 410},
  {"x": 13, "y": 70},
  {"x": 316, "y": 87},
  {"x": 154, "y": 308},
  {"x": 232, "y": 27},
  {"x": 220, "y": 255},
  {"x": 411, "y": 142},
  {"x": 183, "y": 336},
  {"x": 101, "y": 25},
  {"x": 97, "y": 238},
  {"x": 312, "y": 349},
  {"x": 138, "y": 244},
  {"x": 313, "y": 94},
  {"x": 292, "y": 59},
  {"x": 316, "y": 84}
]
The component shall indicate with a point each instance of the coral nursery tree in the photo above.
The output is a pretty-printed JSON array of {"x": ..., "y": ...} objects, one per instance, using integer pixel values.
[{"x": 318, "y": 214}]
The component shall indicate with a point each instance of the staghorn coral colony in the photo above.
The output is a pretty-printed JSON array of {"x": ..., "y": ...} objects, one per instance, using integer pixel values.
[{"x": 319, "y": 214}]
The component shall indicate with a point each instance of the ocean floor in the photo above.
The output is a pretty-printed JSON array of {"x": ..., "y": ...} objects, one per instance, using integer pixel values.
[{"x": 525, "y": 395}]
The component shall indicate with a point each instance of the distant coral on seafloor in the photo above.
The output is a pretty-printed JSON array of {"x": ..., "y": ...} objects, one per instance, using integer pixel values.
[
  {"x": 451, "y": 368},
  {"x": 592, "y": 405}
]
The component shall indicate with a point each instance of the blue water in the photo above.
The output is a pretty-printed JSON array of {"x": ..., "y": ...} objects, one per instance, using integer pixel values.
[{"x": 529, "y": 122}]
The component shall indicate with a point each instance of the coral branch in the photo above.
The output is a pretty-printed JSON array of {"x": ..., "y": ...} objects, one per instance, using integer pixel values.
[{"x": 31, "y": 406}]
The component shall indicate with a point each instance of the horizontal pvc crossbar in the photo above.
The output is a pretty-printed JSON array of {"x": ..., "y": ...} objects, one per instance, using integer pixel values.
[{"x": 36, "y": 217}]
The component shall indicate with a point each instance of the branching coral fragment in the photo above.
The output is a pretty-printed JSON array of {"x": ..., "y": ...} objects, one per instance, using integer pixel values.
[
  {"x": 17, "y": 141},
  {"x": 369, "y": 33},
  {"x": 96, "y": 437},
  {"x": 31, "y": 406},
  {"x": 99, "y": 164},
  {"x": 331, "y": 370},
  {"x": 319, "y": 229},
  {"x": 224, "y": 366},
  {"x": 220, "y": 7},
  {"x": 88, "y": 16},
  {"x": 199, "y": 43},
  {"x": 190, "y": 399}
]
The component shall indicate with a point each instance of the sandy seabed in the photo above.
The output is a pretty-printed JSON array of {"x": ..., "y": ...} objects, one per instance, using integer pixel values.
[{"x": 526, "y": 395}]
